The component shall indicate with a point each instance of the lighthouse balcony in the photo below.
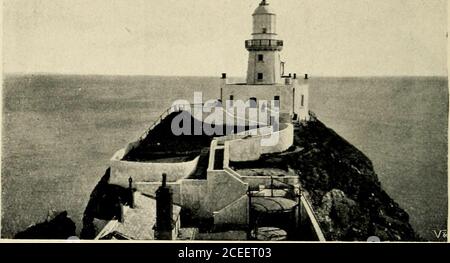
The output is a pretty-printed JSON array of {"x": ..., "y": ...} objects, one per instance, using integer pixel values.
[{"x": 264, "y": 45}]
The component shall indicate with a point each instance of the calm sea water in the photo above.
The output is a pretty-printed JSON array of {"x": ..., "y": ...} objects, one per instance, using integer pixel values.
[{"x": 60, "y": 131}]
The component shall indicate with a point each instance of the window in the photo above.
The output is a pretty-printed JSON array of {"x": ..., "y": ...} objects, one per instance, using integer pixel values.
[
  {"x": 231, "y": 100},
  {"x": 264, "y": 30},
  {"x": 260, "y": 76},
  {"x": 260, "y": 57},
  {"x": 277, "y": 101},
  {"x": 303, "y": 100},
  {"x": 253, "y": 102}
]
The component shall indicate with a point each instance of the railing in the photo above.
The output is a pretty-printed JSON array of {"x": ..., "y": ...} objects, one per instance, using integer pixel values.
[
  {"x": 281, "y": 186},
  {"x": 295, "y": 193},
  {"x": 315, "y": 221},
  {"x": 264, "y": 44}
]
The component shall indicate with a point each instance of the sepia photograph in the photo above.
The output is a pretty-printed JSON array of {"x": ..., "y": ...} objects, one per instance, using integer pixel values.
[{"x": 250, "y": 120}]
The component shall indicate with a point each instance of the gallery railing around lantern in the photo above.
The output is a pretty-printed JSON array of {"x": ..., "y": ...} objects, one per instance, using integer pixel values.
[{"x": 264, "y": 44}]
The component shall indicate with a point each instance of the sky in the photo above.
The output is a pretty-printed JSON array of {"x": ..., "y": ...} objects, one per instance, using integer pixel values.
[{"x": 206, "y": 38}]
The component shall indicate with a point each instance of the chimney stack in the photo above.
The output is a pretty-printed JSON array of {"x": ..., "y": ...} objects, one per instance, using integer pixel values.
[
  {"x": 164, "y": 211},
  {"x": 130, "y": 192}
]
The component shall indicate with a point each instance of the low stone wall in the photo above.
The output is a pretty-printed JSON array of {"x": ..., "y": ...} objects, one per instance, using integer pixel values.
[
  {"x": 130, "y": 146},
  {"x": 242, "y": 150},
  {"x": 223, "y": 189},
  {"x": 147, "y": 172},
  {"x": 150, "y": 189},
  {"x": 240, "y": 135},
  {"x": 189, "y": 194},
  {"x": 285, "y": 137},
  {"x": 193, "y": 197},
  {"x": 236, "y": 214},
  {"x": 212, "y": 153},
  {"x": 251, "y": 148}
]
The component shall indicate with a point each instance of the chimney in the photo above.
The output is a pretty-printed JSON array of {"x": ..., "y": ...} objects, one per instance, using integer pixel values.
[
  {"x": 130, "y": 192},
  {"x": 224, "y": 79},
  {"x": 164, "y": 211},
  {"x": 120, "y": 215}
]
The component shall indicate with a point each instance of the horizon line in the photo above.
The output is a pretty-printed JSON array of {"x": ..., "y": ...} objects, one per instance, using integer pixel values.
[{"x": 206, "y": 76}]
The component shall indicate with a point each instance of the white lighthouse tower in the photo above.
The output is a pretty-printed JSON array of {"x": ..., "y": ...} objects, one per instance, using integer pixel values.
[
  {"x": 264, "y": 65},
  {"x": 266, "y": 78}
]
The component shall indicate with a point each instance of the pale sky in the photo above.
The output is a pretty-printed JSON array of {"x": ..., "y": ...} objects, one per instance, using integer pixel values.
[{"x": 206, "y": 37}]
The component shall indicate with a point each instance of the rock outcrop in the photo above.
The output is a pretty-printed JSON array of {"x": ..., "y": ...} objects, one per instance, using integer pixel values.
[
  {"x": 57, "y": 226},
  {"x": 344, "y": 188},
  {"x": 105, "y": 203},
  {"x": 342, "y": 185}
]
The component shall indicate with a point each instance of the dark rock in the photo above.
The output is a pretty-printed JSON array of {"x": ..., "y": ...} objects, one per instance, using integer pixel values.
[
  {"x": 346, "y": 192},
  {"x": 105, "y": 203},
  {"x": 340, "y": 217},
  {"x": 59, "y": 226},
  {"x": 342, "y": 185}
]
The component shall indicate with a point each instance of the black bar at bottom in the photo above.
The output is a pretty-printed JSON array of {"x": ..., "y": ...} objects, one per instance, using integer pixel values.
[{"x": 224, "y": 252}]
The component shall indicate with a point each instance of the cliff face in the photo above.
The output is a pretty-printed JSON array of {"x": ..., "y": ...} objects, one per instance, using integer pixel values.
[{"x": 345, "y": 191}]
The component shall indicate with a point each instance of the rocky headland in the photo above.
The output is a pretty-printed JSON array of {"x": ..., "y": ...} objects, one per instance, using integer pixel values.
[
  {"x": 340, "y": 181},
  {"x": 344, "y": 189}
]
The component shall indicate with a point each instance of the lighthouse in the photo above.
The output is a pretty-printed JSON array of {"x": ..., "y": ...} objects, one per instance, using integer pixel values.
[
  {"x": 264, "y": 64},
  {"x": 266, "y": 80}
]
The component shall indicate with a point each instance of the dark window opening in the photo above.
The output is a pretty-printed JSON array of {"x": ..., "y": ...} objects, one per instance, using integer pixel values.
[
  {"x": 260, "y": 57},
  {"x": 303, "y": 100},
  {"x": 260, "y": 76},
  {"x": 264, "y": 30},
  {"x": 277, "y": 101},
  {"x": 231, "y": 100},
  {"x": 253, "y": 102}
]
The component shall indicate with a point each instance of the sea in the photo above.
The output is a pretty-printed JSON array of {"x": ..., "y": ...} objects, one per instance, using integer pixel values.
[{"x": 59, "y": 132}]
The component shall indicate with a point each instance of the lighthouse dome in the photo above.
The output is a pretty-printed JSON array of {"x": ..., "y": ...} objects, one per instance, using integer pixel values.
[{"x": 264, "y": 9}]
